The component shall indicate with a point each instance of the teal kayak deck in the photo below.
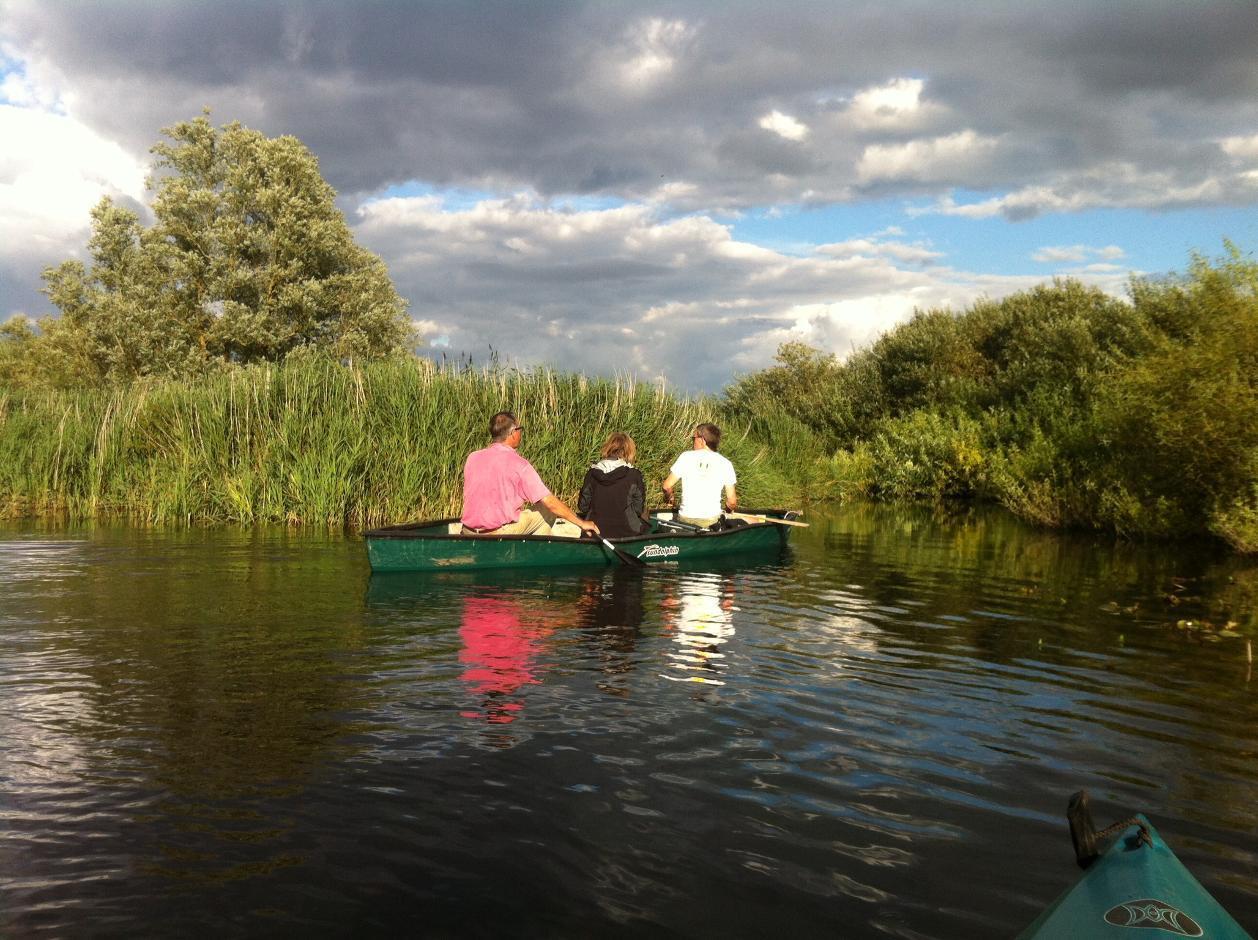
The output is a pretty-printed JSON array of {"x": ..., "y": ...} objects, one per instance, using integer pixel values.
[
  {"x": 433, "y": 546},
  {"x": 1136, "y": 884}
]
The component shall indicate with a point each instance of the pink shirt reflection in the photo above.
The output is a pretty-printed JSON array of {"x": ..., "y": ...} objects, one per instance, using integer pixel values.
[
  {"x": 496, "y": 483},
  {"x": 499, "y": 654}
]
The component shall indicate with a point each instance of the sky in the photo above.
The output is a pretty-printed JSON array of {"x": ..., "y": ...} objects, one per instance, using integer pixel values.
[{"x": 668, "y": 190}]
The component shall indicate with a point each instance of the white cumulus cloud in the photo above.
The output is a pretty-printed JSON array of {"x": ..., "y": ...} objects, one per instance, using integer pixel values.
[
  {"x": 628, "y": 289},
  {"x": 871, "y": 247},
  {"x": 926, "y": 160},
  {"x": 1245, "y": 148},
  {"x": 1115, "y": 185},
  {"x": 895, "y": 105},
  {"x": 1078, "y": 254},
  {"x": 1061, "y": 253},
  {"x": 52, "y": 171},
  {"x": 784, "y": 125}
]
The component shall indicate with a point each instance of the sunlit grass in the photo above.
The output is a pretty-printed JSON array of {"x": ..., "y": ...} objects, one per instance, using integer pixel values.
[{"x": 315, "y": 442}]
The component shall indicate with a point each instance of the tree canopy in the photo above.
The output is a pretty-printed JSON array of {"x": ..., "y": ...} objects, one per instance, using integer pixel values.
[{"x": 248, "y": 259}]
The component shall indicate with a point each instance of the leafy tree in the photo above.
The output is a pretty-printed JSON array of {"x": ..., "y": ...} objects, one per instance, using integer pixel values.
[
  {"x": 16, "y": 339},
  {"x": 248, "y": 259},
  {"x": 1183, "y": 420},
  {"x": 929, "y": 361},
  {"x": 1063, "y": 335},
  {"x": 797, "y": 383},
  {"x": 834, "y": 400}
]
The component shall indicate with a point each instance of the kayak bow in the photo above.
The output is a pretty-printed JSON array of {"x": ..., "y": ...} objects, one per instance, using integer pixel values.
[{"x": 1135, "y": 882}]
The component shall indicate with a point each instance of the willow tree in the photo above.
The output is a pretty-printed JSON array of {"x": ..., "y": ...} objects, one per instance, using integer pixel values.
[{"x": 247, "y": 259}]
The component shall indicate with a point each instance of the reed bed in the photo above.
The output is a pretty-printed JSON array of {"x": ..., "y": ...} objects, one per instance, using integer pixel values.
[{"x": 316, "y": 442}]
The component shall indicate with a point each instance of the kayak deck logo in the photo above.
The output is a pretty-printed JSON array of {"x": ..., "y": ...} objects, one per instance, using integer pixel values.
[{"x": 1154, "y": 914}]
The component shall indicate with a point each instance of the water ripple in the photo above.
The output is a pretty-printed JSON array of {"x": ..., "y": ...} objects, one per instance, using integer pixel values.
[{"x": 244, "y": 732}]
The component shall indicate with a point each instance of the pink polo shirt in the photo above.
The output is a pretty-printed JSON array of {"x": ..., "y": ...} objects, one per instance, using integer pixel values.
[{"x": 496, "y": 483}]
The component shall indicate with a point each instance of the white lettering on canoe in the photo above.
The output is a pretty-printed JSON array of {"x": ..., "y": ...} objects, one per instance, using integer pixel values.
[{"x": 659, "y": 551}]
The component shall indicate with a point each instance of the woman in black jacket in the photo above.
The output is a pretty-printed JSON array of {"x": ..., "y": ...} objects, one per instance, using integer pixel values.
[{"x": 613, "y": 493}]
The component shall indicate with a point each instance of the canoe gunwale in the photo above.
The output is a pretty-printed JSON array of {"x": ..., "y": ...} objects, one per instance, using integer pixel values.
[
  {"x": 429, "y": 546},
  {"x": 415, "y": 530}
]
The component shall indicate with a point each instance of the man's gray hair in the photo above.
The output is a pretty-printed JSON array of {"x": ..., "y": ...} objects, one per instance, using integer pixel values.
[{"x": 501, "y": 425}]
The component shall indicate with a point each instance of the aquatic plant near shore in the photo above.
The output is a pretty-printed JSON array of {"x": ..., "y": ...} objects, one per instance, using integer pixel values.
[{"x": 315, "y": 441}]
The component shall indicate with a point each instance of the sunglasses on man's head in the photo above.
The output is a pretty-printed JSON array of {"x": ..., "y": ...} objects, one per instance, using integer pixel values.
[{"x": 518, "y": 427}]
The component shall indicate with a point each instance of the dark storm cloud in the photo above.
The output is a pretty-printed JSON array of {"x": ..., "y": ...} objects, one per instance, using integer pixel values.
[
  {"x": 19, "y": 291},
  {"x": 615, "y": 98},
  {"x": 1203, "y": 50},
  {"x": 1023, "y": 108}
]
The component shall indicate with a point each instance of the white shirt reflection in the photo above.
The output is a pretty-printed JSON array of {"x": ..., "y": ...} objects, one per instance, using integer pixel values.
[{"x": 702, "y": 619}]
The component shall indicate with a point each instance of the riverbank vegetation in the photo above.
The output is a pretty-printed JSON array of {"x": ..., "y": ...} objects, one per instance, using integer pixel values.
[
  {"x": 242, "y": 359},
  {"x": 316, "y": 441},
  {"x": 1066, "y": 405}
]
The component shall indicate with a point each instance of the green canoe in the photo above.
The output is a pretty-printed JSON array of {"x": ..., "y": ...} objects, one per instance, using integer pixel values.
[
  {"x": 433, "y": 546},
  {"x": 1137, "y": 882}
]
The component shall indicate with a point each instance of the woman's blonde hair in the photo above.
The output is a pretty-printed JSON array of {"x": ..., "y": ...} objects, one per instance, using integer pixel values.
[{"x": 619, "y": 445}]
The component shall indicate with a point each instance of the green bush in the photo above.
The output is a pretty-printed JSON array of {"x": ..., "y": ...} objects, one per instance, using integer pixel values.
[
  {"x": 1068, "y": 406},
  {"x": 1237, "y": 524},
  {"x": 847, "y": 474},
  {"x": 928, "y": 456},
  {"x": 1181, "y": 423}
]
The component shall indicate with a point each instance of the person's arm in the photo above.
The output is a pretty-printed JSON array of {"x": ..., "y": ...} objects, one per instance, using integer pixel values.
[
  {"x": 560, "y": 509},
  {"x": 586, "y": 500},
  {"x": 637, "y": 497},
  {"x": 534, "y": 491},
  {"x": 669, "y": 482},
  {"x": 731, "y": 496}
]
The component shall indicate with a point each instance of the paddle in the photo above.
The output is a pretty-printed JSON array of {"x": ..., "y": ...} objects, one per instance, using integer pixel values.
[
  {"x": 674, "y": 526},
  {"x": 625, "y": 557},
  {"x": 751, "y": 518}
]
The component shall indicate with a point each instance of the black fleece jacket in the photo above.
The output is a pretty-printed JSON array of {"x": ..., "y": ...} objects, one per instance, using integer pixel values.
[{"x": 615, "y": 500}]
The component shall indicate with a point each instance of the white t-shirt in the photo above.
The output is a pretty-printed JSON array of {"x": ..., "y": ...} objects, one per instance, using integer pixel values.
[{"x": 703, "y": 474}]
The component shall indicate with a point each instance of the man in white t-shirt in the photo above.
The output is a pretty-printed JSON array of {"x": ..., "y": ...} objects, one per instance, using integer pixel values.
[{"x": 703, "y": 474}]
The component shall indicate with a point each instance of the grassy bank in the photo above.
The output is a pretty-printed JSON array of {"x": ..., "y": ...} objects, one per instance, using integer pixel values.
[
  {"x": 1068, "y": 406},
  {"x": 311, "y": 441}
]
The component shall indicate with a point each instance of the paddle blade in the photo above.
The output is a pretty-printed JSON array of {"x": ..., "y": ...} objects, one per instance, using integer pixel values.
[{"x": 625, "y": 557}]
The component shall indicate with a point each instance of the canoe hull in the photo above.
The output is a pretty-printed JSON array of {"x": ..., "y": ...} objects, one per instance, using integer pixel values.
[
  {"x": 1133, "y": 885},
  {"x": 428, "y": 546}
]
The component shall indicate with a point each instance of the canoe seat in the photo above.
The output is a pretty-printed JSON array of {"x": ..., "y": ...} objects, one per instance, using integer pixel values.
[{"x": 565, "y": 529}]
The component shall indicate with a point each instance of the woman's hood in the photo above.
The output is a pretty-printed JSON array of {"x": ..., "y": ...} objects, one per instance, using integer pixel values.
[{"x": 608, "y": 464}]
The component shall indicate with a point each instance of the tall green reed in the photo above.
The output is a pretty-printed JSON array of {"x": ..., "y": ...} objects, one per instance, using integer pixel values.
[{"x": 313, "y": 441}]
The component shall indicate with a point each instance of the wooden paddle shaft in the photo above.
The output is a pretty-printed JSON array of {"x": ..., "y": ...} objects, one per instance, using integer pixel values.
[{"x": 751, "y": 518}]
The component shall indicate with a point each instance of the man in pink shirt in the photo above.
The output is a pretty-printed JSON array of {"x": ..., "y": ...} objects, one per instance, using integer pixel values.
[{"x": 497, "y": 482}]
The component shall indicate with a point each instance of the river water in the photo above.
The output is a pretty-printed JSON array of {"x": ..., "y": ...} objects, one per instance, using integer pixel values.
[{"x": 244, "y": 733}]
